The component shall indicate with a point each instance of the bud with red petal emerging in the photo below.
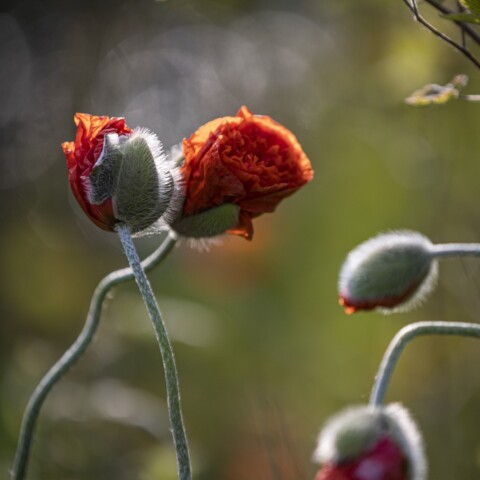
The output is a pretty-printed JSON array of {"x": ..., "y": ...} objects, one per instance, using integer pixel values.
[
  {"x": 371, "y": 443},
  {"x": 390, "y": 272},
  {"x": 120, "y": 175}
]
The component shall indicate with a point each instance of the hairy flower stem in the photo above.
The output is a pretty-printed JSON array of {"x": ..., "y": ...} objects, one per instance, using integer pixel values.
[
  {"x": 171, "y": 377},
  {"x": 456, "y": 250},
  {"x": 400, "y": 341},
  {"x": 35, "y": 403}
]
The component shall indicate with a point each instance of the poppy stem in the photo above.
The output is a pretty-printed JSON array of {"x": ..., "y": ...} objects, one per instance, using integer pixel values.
[
  {"x": 32, "y": 411},
  {"x": 400, "y": 341},
  {"x": 456, "y": 250},
  {"x": 171, "y": 377}
]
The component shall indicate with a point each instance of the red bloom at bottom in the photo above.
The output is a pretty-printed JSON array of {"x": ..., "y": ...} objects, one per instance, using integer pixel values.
[
  {"x": 371, "y": 443},
  {"x": 384, "y": 462},
  {"x": 332, "y": 472}
]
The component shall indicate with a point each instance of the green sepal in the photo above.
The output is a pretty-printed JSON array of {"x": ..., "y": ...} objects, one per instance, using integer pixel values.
[{"x": 209, "y": 223}]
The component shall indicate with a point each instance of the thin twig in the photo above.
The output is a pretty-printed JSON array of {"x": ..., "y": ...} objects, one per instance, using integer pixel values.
[
  {"x": 412, "y": 6},
  {"x": 462, "y": 31},
  {"x": 470, "y": 98}
]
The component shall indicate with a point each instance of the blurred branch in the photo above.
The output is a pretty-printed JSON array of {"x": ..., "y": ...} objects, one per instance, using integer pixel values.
[
  {"x": 462, "y": 31},
  {"x": 413, "y": 7},
  {"x": 466, "y": 29}
]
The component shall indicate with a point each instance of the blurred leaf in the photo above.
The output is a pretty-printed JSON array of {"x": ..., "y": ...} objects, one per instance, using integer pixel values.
[
  {"x": 463, "y": 17},
  {"x": 433, "y": 94},
  {"x": 472, "y": 5}
]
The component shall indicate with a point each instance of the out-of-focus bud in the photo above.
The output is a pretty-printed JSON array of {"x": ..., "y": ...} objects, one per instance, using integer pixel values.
[
  {"x": 391, "y": 272},
  {"x": 371, "y": 443},
  {"x": 120, "y": 175}
]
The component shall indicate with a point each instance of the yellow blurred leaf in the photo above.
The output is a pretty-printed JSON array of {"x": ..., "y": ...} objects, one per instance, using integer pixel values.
[
  {"x": 433, "y": 94},
  {"x": 472, "y": 5}
]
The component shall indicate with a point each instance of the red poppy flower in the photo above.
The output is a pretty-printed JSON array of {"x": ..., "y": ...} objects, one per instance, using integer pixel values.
[
  {"x": 371, "y": 443},
  {"x": 83, "y": 153},
  {"x": 248, "y": 160}
]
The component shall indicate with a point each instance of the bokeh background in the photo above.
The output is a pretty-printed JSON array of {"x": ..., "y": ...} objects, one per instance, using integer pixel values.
[{"x": 265, "y": 353}]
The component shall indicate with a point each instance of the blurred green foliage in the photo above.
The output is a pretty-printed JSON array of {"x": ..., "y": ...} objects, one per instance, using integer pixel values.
[{"x": 265, "y": 354}]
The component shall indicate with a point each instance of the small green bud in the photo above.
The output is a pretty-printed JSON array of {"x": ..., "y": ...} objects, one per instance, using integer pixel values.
[{"x": 390, "y": 272}]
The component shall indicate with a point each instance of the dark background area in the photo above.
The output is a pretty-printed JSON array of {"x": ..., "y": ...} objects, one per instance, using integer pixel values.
[{"x": 264, "y": 352}]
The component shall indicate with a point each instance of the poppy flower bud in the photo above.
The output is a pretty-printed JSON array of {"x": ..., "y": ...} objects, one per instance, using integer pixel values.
[
  {"x": 390, "y": 272},
  {"x": 120, "y": 175},
  {"x": 247, "y": 160},
  {"x": 371, "y": 443}
]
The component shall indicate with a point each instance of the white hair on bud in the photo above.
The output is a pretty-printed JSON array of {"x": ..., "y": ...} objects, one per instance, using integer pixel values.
[
  {"x": 170, "y": 179},
  {"x": 204, "y": 244},
  {"x": 418, "y": 244},
  {"x": 407, "y": 434},
  {"x": 175, "y": 161},
  {"x": 175, "y": 155},
  {"x": 366, "y": 424}
]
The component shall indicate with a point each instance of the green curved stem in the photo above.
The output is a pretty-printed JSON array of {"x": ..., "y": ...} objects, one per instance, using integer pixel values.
[
  {"x": 456, "y": 250},
  {"x": 35, "y": 403},
  {"x": 170, "y": 369},
  {"x": 400, "y": 341}
]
